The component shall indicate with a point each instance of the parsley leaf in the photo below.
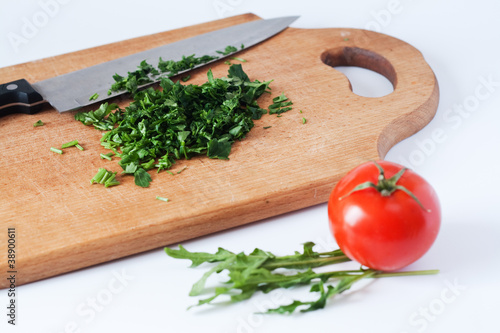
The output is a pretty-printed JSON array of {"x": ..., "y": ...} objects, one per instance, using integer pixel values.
[
  {"x": 142, "y": 178},
  {"x": 219, "y": 148}
]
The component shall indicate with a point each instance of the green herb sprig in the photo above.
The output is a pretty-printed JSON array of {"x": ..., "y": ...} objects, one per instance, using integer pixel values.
[{"x": 263, "y": 271}]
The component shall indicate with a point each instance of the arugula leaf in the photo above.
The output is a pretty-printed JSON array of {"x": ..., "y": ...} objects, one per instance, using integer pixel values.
[
  {"x": 198, "y": 258},
  {"x": 262, "y": 271},
  {"x": 344, "y": 284},
  {"x": 311, "y": 306}
]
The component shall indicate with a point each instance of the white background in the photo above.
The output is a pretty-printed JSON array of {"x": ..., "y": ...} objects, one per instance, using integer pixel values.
[{"x": 459, "y": 39}]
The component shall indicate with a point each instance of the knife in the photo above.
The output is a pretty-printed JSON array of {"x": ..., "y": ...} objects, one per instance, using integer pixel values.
[{"x": 72, "y": 90}]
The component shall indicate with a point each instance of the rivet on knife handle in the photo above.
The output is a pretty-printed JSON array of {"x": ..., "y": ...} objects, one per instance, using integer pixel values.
[{"x": 19, "y": 97}]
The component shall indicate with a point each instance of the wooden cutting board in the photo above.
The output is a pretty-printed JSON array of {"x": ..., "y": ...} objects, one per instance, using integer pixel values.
[{"x": 62, "y": 223}]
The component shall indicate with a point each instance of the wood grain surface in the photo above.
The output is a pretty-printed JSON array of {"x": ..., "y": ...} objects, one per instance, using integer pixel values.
[{"x": 63, "y": 223}]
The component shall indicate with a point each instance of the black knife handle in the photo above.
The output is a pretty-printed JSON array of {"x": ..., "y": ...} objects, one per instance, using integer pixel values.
[{"x": 19, "y": 97}]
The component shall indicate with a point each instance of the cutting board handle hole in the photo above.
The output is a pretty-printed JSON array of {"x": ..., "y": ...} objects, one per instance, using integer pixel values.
[{"x": 369, "y": 74}]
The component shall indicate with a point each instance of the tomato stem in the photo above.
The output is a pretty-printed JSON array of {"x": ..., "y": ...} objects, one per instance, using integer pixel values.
[{"x": 386, "y": 186}]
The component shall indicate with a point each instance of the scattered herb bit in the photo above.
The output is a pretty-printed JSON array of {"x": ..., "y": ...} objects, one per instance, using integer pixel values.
[
  {"x": 94, "y": 97},
  {"x": 229, "y": 49},
  {"x": 69, "y": 144},
  {"x": 304, "y": 120},
  {"x": 106, "y": 156},
  {"x": 300, "y": 111},
  {"x": 105, "y": 177},
  {"x": 227, "y": 62},
  {"x": 242, "y": 46},
  {"x": 162, "y": 198},
  {"x": 55, "y": 150},
  {"x": 186, "y": 78},
  {"x": 346, "y": 39},
  {"x": 38, "y": 123},
  {"x": 171, "y": 68},
  {"x": 178, "y": 172},
  {"x": 146, "y": 73},
  {"x": 102, "y": 118},
  {"x": 238, "y": 59},
  {"x": 179, "y": 121},
  {"x": 280, "y": 105},
  {"x": 78, "y": 146},
  {"x": 266, "y": 127},
  {"x": 264, "y": 271},
  {"x": 140, "y": 76}
]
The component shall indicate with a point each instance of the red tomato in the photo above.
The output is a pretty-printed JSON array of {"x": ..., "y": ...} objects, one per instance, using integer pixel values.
[{"x": 382, "y": 226}]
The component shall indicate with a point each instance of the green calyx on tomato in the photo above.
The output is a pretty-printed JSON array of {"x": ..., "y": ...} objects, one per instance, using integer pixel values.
[{"x": 386, "y": 186}]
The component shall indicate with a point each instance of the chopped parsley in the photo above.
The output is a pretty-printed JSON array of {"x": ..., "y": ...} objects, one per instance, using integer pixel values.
[
  {"x": 239, "y": 59},
  {"x": 105, "y": 177},
  {"x": 229, "y": 49},
  {"x": 178, "y": 172},
  {"x": 280, "y": 105},
  {"x": 147, "y": 73},
  {"x": 55, "y": 150},
  {"x": 179, "y": 121},
  {"x": 106, "y": 156},
  {"x": 38, "y": 123},
  {"x": 69, "y": 144}
]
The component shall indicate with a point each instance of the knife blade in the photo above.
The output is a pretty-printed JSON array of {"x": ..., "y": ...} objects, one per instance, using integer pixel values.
[{"x": 72, "y": 90}]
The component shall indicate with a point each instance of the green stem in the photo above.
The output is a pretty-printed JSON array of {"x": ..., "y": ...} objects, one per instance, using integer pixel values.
[
  {"x": 409, "y": 273},
  {"x": 377, "y": 274},
  {"x": 315, "y": 262}
]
